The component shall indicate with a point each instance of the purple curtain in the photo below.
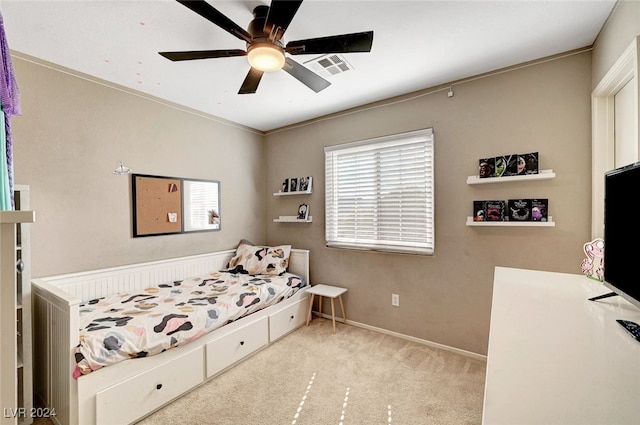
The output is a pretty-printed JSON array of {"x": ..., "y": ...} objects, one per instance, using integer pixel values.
[{"x": 10, "y": 97}]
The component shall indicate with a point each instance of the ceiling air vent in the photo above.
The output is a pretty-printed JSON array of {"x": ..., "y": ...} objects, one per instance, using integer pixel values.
[{"x": 329, "y": 65}]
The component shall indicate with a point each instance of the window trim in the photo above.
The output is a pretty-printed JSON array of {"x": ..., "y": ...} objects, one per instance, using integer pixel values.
[{"x": 424, "y": 135}]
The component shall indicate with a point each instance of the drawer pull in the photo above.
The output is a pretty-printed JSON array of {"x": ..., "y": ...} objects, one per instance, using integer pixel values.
[
  {"x": 158, "y": 386},
  {"x": 241, "y": 342},
  {"x": 292, "y": 317}
]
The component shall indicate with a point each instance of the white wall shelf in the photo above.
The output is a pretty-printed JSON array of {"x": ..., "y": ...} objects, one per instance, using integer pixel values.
[
  {"x": 292, "y": 193},
  {"x": 291, "y": 219},
  {"x": 16, "y": 387},
  {"x": 549, "y": 223},
  {"x": 542, "y": 175},
  {"x": 294, "y": 218}
]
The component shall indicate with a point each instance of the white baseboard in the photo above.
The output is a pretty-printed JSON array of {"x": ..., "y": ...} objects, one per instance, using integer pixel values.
[{"x": 466, "y": 353}]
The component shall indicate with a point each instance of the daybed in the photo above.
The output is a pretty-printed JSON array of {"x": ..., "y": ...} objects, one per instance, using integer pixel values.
[{"x": 126, "y": 391}]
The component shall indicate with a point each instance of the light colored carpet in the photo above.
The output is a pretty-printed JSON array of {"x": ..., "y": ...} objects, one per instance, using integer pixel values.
[{"x": 353, "y": 377}]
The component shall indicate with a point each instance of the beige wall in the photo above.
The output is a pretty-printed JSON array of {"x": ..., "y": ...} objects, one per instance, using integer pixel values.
[
  {"x": 73, "y": 133},
  {"x": 617, "y": 34},
  {"x": 71, "y": 136},
  {"x": 447, "y": 298}
]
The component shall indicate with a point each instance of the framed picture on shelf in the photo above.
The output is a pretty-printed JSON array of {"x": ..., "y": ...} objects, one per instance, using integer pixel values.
[
  {"x": 285, "y": 185},
  {"x": 487, "y": 167},
  {"x": 304, "y": 184},
  {"x": 528, "y": 163},
  {"x": 303, "y": 212},
  {"x": 293, "y": 184}
]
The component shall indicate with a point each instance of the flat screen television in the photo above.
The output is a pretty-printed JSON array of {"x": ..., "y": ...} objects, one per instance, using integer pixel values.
[{"x": 622, "y": 232}]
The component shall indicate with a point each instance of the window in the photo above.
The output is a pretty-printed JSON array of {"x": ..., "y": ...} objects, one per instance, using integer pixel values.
[
  {"x": 379, "y": 193},
  {"x": 201, "y": 205}
]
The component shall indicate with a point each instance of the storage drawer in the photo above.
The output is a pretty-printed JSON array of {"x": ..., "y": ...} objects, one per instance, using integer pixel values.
[
  {"x": 284, "y": 321},
  {"x": 226, "y": 350},
  {"x": 141, "y": 394}
]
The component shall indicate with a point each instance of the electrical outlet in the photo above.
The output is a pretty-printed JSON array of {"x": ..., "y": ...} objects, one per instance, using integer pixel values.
[{"x": 395, "y": 300}]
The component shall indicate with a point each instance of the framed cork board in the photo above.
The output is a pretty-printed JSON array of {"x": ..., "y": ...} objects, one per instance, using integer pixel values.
[
  {"x": 157, "y": 205},
  {"x": 168, "y": 205}
]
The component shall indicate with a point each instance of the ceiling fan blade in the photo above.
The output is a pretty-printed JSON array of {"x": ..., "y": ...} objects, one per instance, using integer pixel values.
[
  {"x": 279, "y": 17},
  {"x": 251, "y": 81},
  {"x": 345, "y": 43},
  {"x": 305, "y": 76},
  {"x": 209, "y": 12},
  {"x": 202, "y": 54}
]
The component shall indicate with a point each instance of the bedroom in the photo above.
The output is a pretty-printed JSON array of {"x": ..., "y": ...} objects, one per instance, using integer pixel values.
[{"x": 74, "y": 131}]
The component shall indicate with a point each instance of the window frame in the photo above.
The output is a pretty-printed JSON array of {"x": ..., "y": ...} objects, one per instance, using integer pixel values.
[{"x": 426, "y": 219}]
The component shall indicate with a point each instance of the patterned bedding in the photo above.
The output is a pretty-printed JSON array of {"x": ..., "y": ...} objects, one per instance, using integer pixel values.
[{"x": 148, "y": 322}]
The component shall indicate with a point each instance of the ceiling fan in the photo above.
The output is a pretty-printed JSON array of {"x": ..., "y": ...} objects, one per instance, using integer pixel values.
[{"x": 265, "y": 48}]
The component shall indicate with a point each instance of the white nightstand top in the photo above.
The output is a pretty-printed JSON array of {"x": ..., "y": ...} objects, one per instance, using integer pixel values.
[{"x": 326, "y": 290}]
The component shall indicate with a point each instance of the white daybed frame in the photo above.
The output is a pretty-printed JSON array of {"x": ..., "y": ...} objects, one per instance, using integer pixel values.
[{"x": 128, "y": 391}]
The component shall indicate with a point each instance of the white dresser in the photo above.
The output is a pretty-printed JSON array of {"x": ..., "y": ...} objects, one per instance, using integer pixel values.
[{"x": 556, "y": 358}]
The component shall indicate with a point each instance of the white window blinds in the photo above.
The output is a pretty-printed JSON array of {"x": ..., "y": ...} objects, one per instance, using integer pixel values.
[
  {"x": 201, "y": 205},
  {"x": 379, "y": 193}
]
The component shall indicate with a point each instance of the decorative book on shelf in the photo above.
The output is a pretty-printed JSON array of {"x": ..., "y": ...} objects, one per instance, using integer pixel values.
[
  {"x": 512, "y": 210},
  {"x": 507, "y": 165},
  {"x": 514, "y": 164},
  {"x": 493, "y": 210},
  {"x": 539, "y": 209},
  {"x": 519, "y": 209},
  {"x": 295, "y": 185}
]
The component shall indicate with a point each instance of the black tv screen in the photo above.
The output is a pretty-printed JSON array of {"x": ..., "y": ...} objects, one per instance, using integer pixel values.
[{"x": 622, "y": 231}]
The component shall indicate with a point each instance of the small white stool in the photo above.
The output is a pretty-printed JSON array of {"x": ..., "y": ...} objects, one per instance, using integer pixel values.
[{"x": 332, "y": 292}]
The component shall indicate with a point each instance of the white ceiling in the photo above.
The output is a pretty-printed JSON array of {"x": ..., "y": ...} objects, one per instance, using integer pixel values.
[{"x": 417, "y": 44}]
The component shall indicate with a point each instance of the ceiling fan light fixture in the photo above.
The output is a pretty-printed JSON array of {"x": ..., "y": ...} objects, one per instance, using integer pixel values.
[{"x": 265, "y": 56}]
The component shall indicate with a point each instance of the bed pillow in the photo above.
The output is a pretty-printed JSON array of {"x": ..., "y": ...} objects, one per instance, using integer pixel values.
[
  {"x": 256, "y": 259},
  {"x": 242, "y": 242}
]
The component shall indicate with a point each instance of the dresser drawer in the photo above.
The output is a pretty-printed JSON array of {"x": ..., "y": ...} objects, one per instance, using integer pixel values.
[
  {"x": 289, "y": 318},
  {"x": 228, "y": 349},
  {"x": 141, "y": 394}
]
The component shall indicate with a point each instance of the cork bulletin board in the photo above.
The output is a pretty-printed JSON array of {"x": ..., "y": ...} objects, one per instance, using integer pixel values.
[{"x": 157, "y": 205}]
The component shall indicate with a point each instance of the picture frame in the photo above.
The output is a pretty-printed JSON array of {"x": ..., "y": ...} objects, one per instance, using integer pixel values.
[
  {"x": 303, "y": 212},
  {"x": 285, "y": 185},
  {"x": 304, "y": 184},
  {"x": 293, "y": 184},
  {"x": 487, "y": 167}
]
